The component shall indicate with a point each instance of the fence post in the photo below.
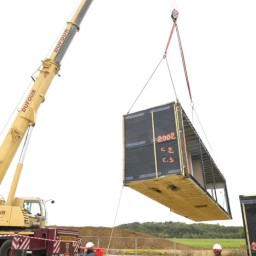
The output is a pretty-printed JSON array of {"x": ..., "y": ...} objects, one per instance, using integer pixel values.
[
  {"x": 136, "y": 247},
  {"x": 174, "y": 247},
  {"x": 98, "y": 242}
]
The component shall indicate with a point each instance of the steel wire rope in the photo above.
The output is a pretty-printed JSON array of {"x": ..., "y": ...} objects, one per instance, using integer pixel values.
[
  {"x": 183, "y": 62},
  {"x": 145, "y": 85},
  {"x": 188, "y": 85},
  {"x": 18, "y": 104},
  {"x": 113, "y": 227},
  {"x": 57, "y": 38},
  {"x": 26, "y": 90},
  {"x": 169, "y": 71},
  {"x": 174, "y": 18},
  {"x": 209, "y": 144},
  {"x": 173, "y": 4},
  {"x": 202, "y": 129}
]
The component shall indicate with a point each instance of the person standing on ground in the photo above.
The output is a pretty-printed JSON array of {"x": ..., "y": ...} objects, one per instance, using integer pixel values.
[
  {"x": 90, "y": 249},
  {"x": 217, "y": 249}
]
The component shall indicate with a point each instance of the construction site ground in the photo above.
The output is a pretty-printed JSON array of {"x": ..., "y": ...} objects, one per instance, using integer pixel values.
[
  {"x": 121, "y": 239},
  {"x": 121, "y": 242}
]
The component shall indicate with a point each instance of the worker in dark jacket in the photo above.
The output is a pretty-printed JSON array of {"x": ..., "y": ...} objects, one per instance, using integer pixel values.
[{"x": 90, "y": 249}]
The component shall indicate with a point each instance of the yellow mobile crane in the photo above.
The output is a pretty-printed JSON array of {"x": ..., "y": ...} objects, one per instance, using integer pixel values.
[{"x": 24, "y": 215}]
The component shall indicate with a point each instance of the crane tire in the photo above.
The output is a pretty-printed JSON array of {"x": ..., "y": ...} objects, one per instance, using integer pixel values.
[{"x": 5, "y": 249}]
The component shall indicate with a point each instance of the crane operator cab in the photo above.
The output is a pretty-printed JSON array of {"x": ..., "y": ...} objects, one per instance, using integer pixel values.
[
  {"x": 34, "y": 209},
  {"x": 27, "y": 212}
]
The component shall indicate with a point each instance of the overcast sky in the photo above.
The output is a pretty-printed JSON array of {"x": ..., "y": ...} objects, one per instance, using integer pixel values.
[{"x": 76, "y": 152}]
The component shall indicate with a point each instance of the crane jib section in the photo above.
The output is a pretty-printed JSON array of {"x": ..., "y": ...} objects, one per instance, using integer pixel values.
[
  {"x": 70, "y": 31},
  {"x": 50, "y": 67}
]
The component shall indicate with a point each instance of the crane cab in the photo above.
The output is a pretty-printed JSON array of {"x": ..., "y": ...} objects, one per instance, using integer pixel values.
[
  {"x": 24, "y": 213},
  {"x": 166, "y": 160}
]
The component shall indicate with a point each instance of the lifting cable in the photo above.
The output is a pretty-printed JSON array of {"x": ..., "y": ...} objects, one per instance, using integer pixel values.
[
  {"x": 183, "y": 63},
  {"x": 174, "y": 13},
  {"x": 17, "y": 105},
  {"x": 145, "y": 85},
  {"x": 113, "y": 227},
  {"x": 174, "y": 17}
]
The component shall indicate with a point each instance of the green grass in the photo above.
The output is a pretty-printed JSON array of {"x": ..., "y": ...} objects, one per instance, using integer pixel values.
[{"x": 208, "y": 243}]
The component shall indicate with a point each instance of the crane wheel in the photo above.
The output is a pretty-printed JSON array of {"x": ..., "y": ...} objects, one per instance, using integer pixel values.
[{"x": 5, "y": 249}]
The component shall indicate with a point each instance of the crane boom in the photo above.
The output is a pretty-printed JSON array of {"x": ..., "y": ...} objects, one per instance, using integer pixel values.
[{"x": 26, "y": 115}]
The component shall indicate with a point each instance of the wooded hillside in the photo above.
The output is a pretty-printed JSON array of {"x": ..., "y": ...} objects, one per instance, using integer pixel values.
[{"x": 182, "y": 230}]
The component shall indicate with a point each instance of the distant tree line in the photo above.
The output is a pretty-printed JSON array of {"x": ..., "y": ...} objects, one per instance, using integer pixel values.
[{"x": 182, "y": 230}]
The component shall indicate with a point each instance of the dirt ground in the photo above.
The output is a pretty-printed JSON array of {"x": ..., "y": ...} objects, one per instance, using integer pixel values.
[
  {"x": 120, "y": 239},
  {"x": 120, "y": 242}
]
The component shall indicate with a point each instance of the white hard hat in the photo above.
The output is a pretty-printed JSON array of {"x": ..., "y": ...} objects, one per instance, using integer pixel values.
[
  {"x": 217, "y": 248},
  {"x": 89, "y": 245}
]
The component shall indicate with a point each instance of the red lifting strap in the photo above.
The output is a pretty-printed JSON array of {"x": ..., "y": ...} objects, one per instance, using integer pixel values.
[
  {"x": 184, "y": 64},
  {"x": 174, "y": 16}
]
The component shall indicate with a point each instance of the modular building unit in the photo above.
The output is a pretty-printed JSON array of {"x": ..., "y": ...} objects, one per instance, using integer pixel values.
[
  {"x": 166, "y": 160},
  {"x": 248, "y": 207}
]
